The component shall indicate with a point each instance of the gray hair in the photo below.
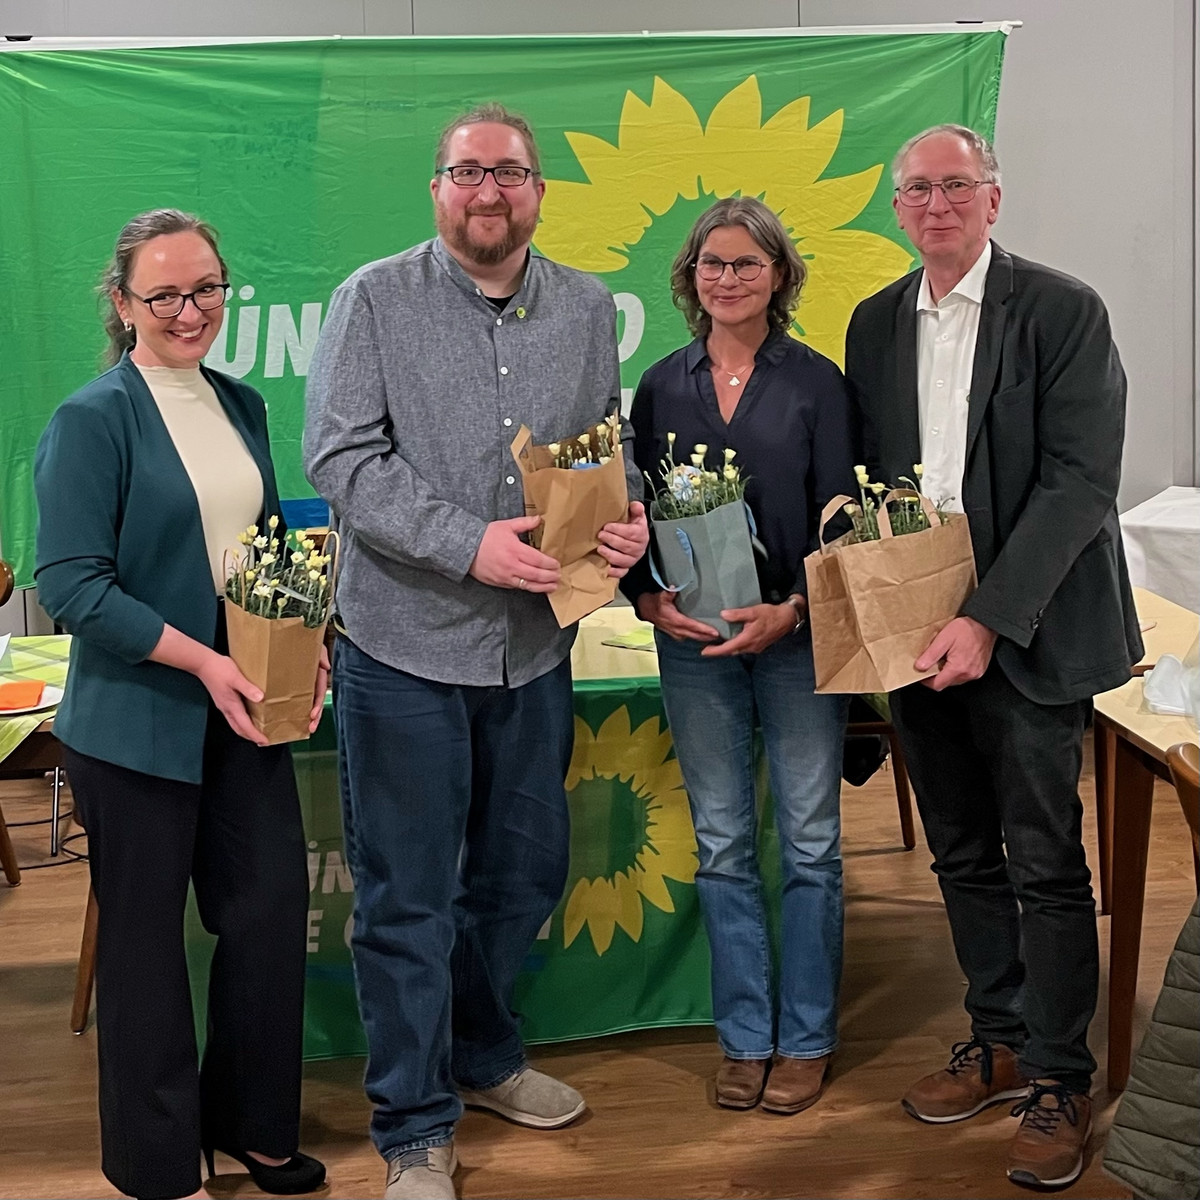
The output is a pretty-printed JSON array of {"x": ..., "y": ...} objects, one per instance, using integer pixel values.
[
  {"x": 491, "y": 113},
  {"x": 989, "y": 166},
  {"x": 143, "y": 228},
  {"x": 765, "y": 227}
]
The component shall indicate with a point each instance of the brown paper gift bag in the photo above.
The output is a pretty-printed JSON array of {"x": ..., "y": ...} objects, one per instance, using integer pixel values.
[
  {"x": 574, "y": 506},
  {"x": 279, "y": 656},
  {"x": 875, "y": 606}
]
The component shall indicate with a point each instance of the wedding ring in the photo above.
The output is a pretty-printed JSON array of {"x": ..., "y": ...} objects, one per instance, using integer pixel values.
[{"x": 521, "y": 583}]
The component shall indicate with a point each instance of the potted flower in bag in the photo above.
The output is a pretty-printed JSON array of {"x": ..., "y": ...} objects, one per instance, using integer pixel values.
[
  {"x": 279, "y": 594},
  {"x": 704, "y": 538}
]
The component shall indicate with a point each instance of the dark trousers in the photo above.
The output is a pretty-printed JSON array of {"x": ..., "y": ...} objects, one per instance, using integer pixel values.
[
  {"x": 996, "y": 778},
  {"x": 238, "y": 836},
  {"x": 456, "y": 831}
]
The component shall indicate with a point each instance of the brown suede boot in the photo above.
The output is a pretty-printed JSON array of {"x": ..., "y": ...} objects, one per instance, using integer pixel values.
[
  {"x": 979, "y": 1074},
  {"x": 740, "y": 1081},
  {"x": 795, "y": 1083},
  {"x": 1049, "y": 1147}
]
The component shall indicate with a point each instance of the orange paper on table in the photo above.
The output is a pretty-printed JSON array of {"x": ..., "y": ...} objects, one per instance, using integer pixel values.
[
  {"x": 21, "y": 693},
  {"x": 574, "y": 506}
]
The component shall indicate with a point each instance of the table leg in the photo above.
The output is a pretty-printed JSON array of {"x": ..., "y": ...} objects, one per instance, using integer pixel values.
[
  {"x": 1104, "y": 746},
  {"x": 1133, "y": 790}
]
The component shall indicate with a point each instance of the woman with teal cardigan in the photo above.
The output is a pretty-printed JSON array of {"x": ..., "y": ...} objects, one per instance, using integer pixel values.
[{"x": 143, "y": 478}]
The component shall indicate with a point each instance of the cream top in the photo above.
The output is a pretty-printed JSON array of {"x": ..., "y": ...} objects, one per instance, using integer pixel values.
[{"x": 225, "y": 477}]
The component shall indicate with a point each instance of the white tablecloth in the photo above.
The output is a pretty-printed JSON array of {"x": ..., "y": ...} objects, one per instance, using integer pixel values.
[{"x": 1162, "y": 545}]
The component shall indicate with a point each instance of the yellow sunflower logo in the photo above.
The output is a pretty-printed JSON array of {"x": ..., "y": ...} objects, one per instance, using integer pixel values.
[
  {"x": 664, "y": 155},
  {"x": 657, "y": 842}
]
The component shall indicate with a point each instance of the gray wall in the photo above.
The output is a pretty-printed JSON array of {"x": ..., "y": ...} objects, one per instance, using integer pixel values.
[
  {"x": 125, "y": 18},
  {"x": 1096, "y": 135}
]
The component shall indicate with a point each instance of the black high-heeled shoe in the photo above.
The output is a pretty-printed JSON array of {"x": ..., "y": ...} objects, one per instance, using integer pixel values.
[{"x": 301, "y": 1173}]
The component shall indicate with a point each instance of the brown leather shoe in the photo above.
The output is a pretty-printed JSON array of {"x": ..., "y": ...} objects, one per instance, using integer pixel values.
[
  {"x": 795, "y": 1083},
  {"x": 1049, "y": 1147},
  {"x": 740, "y": 1081},
  {"x": 979, "y": 1074}
]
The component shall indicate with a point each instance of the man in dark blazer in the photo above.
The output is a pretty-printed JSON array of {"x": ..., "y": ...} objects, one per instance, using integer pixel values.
[{"x": 1001, "y": 378}]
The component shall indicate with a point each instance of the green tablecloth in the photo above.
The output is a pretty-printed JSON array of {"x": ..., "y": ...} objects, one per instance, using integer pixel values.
[
  {"x": 43, "y": 658},
  {"x": 625, "y": 949}
]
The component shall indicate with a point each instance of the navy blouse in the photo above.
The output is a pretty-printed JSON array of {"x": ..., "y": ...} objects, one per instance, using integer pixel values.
[{"x": 794, "y": 436}]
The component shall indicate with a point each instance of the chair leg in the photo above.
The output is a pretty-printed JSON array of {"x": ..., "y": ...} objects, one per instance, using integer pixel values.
[
  {"x": 8, "y": 856},
  {"x": 903, "y": 794},
  {"x": 55, "y": 811},
  {"x": 86, "y": 972}
]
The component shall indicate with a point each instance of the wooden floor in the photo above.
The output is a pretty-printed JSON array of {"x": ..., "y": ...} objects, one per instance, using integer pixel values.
[{"x": 651, "y": 1128}]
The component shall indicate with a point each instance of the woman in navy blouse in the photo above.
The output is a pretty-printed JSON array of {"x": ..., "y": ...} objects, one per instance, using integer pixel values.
[{"x": 744, "y": 384}]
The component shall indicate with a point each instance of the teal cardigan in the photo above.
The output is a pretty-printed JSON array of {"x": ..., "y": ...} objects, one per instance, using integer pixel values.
[{"x": 120, "y": 552}]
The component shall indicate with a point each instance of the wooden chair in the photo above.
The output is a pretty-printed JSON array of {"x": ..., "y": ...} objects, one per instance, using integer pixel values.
[
  {"x": 885, "y": 729},
  {"x": 85, "y": 973},
  {"x": 8, "y": 856},
  {"x": 1184, "y": 762}
]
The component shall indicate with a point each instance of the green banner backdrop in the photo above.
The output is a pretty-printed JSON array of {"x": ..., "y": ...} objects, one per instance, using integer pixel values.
[
  {"x": 314, "y": 157},
  {"x": 624, "y": 949}
]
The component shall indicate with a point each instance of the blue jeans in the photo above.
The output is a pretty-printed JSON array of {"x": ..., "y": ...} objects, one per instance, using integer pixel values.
[
  {"x": 712, "y": 705},
  {"x": 456, "y": 834}
]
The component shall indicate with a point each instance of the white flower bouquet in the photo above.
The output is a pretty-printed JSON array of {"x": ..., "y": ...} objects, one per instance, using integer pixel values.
[
  {"x": 577, "y": 486},
  {"x": 703, "y": 539},
  {"x": 878, "y": 594},
  {"x": 279, "y": 594}
]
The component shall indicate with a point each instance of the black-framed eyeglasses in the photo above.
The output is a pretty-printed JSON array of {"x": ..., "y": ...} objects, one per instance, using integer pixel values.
[
  {"x": 957, "y": 191},
  {"x": 747, "y": 268},
  {"x": 472, "y": 176},
  {"x": 171, "y": 304}
]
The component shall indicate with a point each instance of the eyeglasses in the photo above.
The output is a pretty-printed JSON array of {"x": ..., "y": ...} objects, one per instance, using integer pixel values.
[
  {"x": 957, "y": 191},
  {"x": 472, "y": 176},
  {"x": 171, "y": 304},
  {"x": 746, "y": 269}
]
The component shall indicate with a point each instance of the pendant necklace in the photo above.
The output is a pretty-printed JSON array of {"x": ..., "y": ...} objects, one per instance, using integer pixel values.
[{"x": 734, "y": 381}]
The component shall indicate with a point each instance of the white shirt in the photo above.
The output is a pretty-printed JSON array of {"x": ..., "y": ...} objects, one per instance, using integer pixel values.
[
  {"x": 946, "y": 334},
  {"x": 225, "y": 477}
]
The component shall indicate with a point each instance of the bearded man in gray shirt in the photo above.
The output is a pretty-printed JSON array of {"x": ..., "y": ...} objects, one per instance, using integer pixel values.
[{"x": 452, "y": 683}]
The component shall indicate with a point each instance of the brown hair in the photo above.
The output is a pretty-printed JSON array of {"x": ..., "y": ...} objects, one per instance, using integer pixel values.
[
  {"x": 489, "y": 114},
  {"x": 115, "y": 278},
  {"x": 765, "y": 227}
]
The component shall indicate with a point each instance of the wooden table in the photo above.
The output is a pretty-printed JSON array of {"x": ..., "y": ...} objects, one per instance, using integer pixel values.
[{"x": 1131, "y": 752}]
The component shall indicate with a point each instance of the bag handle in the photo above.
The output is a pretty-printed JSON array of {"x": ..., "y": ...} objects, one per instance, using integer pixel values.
[
  {"x": 686, "y": 545},
  {"x": 335, "y": 562},
  {"x": 829, "y": 511},
  {"x": 755, "y": 544},
  {"x": 884, "y": 517}
]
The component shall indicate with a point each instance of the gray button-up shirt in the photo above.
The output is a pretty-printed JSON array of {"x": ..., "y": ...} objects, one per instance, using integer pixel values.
[{"x": 416, "y": 390}]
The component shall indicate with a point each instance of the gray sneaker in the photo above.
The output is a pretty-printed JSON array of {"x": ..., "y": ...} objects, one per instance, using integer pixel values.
[
  {"x": 422, "y": 1174},
  {"x": 529, "y": 1098}
]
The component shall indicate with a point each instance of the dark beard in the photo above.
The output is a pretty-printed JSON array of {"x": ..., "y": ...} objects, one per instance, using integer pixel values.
[{"x": 486, "y": 254}]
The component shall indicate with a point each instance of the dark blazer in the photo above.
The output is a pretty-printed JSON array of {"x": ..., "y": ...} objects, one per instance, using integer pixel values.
[
  {"x": 120, "y": 552},
  {"x": 1045, "y": 427}
]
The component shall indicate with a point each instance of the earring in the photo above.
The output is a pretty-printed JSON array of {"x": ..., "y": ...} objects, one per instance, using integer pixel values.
[{"x": 128, "y": 326}]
